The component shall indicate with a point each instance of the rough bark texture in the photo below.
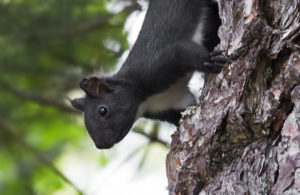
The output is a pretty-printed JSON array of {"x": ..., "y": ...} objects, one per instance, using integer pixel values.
[{"x": 245, "y": 135}]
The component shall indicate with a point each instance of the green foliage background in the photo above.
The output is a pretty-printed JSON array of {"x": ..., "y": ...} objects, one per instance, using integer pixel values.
[{"x": 46, "y": 47}]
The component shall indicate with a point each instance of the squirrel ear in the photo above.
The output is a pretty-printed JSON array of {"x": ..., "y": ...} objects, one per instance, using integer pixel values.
[
  {"x": 94, "y": 87},
  {"x": 78, "y": 103}
]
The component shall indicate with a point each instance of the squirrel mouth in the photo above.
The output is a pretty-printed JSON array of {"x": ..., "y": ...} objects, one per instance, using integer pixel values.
[
  {"x": 102, "y": 145},
  {"x": 108, "y": 142}
]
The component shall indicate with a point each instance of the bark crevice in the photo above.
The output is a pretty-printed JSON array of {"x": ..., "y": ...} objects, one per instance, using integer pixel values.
[{"x": 244, "y": 136}]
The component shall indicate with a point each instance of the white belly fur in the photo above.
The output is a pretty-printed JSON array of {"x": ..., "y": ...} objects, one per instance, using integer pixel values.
[{"x": 178, "y": 96}]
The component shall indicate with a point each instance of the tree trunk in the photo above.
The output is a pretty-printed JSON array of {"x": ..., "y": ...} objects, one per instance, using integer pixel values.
[{"x": 244, "y": 137}]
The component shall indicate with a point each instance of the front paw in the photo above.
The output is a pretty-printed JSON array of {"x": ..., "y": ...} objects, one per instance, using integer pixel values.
[{"x": 216, "y": 62}]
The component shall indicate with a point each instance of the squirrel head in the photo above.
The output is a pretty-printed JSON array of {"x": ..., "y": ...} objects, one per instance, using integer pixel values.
[{"x": 109, "y": 109}]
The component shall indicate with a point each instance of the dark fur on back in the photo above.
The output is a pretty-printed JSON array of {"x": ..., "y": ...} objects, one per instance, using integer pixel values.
[{"x": 164, "y": 52}]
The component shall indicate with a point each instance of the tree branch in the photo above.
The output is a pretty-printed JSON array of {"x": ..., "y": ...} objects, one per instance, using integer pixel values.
[
  {"x": 18, "y": 139},
  {"x": 35, "y": 97},
  {"x": 78, "y": 29},
  {"x": 152, "y": 138},
  {"x": 75, "y": 30}
]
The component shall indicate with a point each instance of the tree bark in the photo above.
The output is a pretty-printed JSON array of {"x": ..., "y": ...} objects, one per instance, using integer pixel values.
[{"x": 244, "y": 137}]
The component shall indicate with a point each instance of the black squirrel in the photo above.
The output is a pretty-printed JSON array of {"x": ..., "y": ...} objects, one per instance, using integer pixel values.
[{"x": 176, "y": 39}]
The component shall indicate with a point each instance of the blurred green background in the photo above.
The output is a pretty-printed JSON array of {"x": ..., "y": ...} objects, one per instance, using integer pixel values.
[{"x": 46, "y": 48}]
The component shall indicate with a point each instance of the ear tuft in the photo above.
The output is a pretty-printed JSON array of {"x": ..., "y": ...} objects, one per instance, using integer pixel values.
[
  {"x": 94, "y": 86},
  {"x": 78, "y": 103}
]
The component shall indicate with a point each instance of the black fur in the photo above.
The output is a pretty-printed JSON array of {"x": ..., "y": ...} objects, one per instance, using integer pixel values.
[
  {"x": 171, "y": 116},
  {"x": 163, "y": 53}
]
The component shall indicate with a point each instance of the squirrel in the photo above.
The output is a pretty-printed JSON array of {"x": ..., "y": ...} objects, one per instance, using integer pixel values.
[{"x": 177, "y": 38}]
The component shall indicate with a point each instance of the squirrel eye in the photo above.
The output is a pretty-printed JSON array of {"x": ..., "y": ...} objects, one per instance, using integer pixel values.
[{"x": 102, "y": 111}]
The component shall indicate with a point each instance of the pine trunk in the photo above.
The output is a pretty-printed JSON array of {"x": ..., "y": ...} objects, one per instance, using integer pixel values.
[{"x": 244, "y": 137}]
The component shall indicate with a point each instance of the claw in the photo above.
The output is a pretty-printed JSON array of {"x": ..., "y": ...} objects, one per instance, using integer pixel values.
[
  {"x": 215, "y": 53},
  {"x": 217, "y": 56},
  {"x": 212, "y": 67},
  {"x": 216, "y": 62},
  {"x": 219, "y": 59}
]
